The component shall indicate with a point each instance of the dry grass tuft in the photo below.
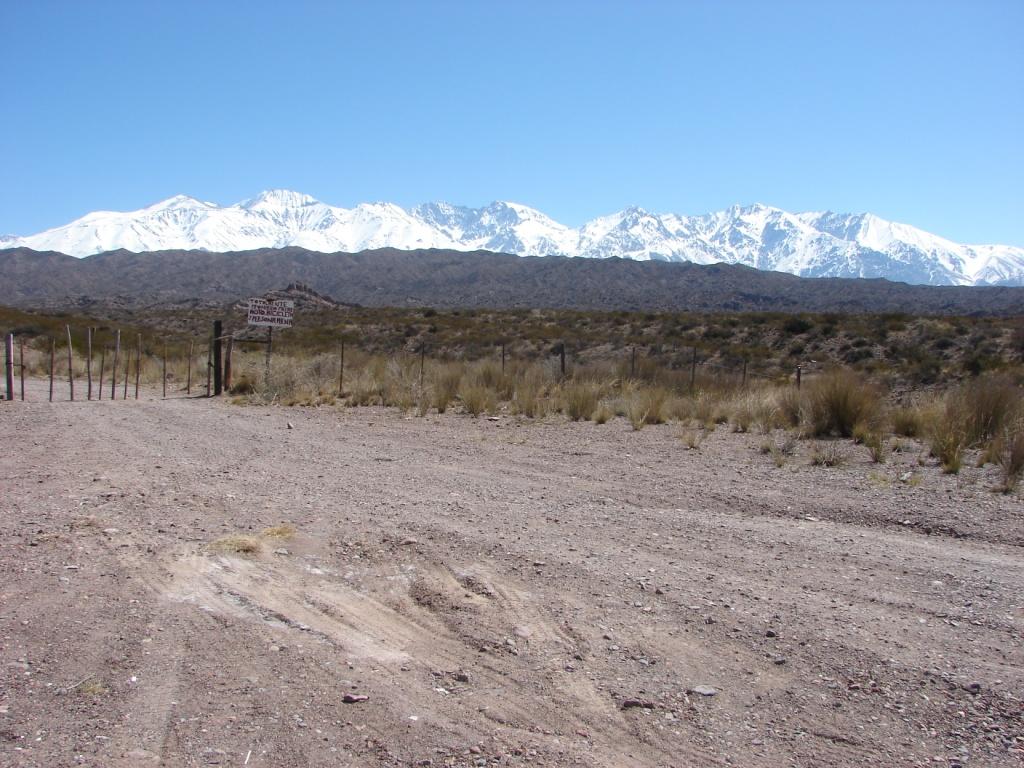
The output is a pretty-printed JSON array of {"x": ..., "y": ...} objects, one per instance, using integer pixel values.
[
  {"x": 236, "y": 544},
  {"x": 827, "y": 455},
  {"x": 839, "y": 402},
  {"x": 283, "y": 531}
]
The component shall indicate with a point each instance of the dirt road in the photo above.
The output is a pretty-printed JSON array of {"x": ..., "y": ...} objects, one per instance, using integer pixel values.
[{"x": 502, "y": 592}]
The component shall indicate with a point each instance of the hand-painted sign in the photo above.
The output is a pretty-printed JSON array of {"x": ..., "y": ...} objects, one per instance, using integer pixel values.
[{"x": 276, "y": 314}]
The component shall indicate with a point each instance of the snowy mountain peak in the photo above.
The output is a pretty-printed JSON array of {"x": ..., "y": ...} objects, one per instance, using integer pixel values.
[
  {"x": 813, "y": 244},
  {"x": 277, "y": 199}
]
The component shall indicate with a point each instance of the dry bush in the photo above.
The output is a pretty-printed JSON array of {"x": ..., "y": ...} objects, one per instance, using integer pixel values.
[
  {"x": 1010, "y": 456},
  {"x": 603, "y": 413},
  {"x": 646, "y": 405},
  {"x": 528, "y": 396},
  {"x": 792, "y": 406},
  {"x": 580, "y": 400},
  {"x": 839, "y": 401},
  {"x": 990, "y": 405},
  {"x": 477, "y": 399},
  {"x": 827, "y": 455},
  {"x": 907, "y": 422},
  {"x": 445, "y": 384},
  {"x": 693, "y": 438}
]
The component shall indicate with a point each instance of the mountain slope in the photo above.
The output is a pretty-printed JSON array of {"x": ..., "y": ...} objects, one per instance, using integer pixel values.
[
  {"x": 805, "y": 244},
  {"x": 463, "y": 279}
]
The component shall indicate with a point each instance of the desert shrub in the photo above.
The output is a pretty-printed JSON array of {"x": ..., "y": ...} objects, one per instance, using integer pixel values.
[
  {"x": 603, "y": 413},
  {"x": 907, "y": 422},
  {"x": 478, "y": 399},
  {"x": 693, "y": 438},
  {"x": 827, "y": 455},
  {"x": 990, "y": 404},
  {"x": 528, "y": 397},
  {"x": 579, "y": 400},
  {"x": 445, "y": 387},
  {"x": 1010, "y": 457},
  {"x": 876, "y": 447},
  {"x": 839, "y": 401},
  {"x": 792, "y": 406}
]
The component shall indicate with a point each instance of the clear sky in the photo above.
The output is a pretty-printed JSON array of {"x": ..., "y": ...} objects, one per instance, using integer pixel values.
[{"x": 911, "y": 110}]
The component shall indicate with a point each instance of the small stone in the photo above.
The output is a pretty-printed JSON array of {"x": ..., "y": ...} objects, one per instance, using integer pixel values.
[
  {"x": 770, "y": 633},
  {"x": 290, "y": 425},
  {"x": 780, "y": 660},
  {"x": 354, "y": 698},
  {"x": 704, "y": 690},
  {"x": 408, "y": 541},
  {"x": 973, "y": 688},
  {"x": 637, "y": 703},
  {"x": 281, "y": 551}
]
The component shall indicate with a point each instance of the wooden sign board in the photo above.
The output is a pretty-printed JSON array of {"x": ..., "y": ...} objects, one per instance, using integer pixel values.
[{"x": 274, "y": 314}]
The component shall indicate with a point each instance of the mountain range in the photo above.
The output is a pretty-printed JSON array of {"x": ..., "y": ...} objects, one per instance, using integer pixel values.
[{"x": 804, "y": 244}]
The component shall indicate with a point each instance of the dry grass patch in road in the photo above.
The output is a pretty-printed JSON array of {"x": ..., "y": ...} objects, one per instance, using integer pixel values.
[{"x": 236, "y": 544}]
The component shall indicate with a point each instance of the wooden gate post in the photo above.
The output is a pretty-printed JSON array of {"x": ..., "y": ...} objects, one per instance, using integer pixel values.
[
  {"x": 127, "y": 369},
  {"x": 227, "y": 363},
  {"x": 53, "y": 358},
  {"x": 693, "y": 370},
  {"x": 71, "y": 370},
  {"x": 21, "y": 365},
  {"x": 88, "y": 362},
  {"x": 9, "y": 364},
  {"x": 218, "y": 370},
  {"x": 341, "y": 371},
  {"x": 103, "y": 364},
  {"x": 113, "y": 369},
  {"x": 270, "y": 349},
  {"x": 138, "y": 366}
]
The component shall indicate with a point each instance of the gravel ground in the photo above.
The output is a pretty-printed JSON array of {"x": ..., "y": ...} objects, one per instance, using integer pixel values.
[{"x": 501, "y": 592}]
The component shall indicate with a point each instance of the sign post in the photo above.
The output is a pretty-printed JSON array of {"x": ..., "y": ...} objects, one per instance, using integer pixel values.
[{"x": 271, "y": 314}]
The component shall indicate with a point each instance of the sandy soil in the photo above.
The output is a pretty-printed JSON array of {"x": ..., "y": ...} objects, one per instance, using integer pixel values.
[{"x": 501, "y": 592}]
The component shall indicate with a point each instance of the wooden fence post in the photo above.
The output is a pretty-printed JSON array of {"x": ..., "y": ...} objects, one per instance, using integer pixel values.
[
  {"x": 9, "y": 364},
  {"x": 88, "y": 362},
  {"x": 227, "y": 363},
  {"x": 53, "y": 359},
  {"x": 632, "y": 364},
  {"x": 191, "y": 354},
  {"x": 423, "y": 354},
  {"x": 164, "y": 369},
  {"x": 270, "y": 349},
  {"x": 502, "y": 358},
  {"x": 127, "y": 370},
  {"x": 113, "y": 370},
  {"x": 138, "y": 365},
  {"x": 744, "y": 384},
  {"x": 209, "y": 367},
  {"x": 798, "y": 377},
  {"x": 71, "y": 370},
  {"x": 693, "y": 370},
  {"x": 218, "y": 370},
  {"x": 561, "y": 354},
  {"x": 103, "y": 364},
  {"x": 21, "y": 366},
  {"x": 341, "y": 371}
]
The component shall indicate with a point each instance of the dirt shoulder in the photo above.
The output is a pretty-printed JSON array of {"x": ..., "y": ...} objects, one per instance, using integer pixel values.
[{"x": 501, "y": 592}]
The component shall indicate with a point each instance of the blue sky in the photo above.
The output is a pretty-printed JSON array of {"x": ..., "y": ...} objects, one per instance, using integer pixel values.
[{"x": 911, "y": 110}]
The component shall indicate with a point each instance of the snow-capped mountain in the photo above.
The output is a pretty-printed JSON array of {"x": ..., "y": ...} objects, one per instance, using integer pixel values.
[{"x": 806, "y": 244}]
